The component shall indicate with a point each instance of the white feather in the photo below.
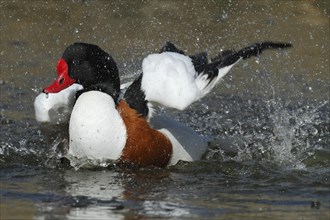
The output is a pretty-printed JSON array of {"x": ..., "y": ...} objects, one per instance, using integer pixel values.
[
  {"x": 205, "y": 86},
  {"x": 170, "y": 79},
  {"x": 96, "y": 129},
  {"x": 55, "y": 108},
  {"x": 187, "y": 144}
]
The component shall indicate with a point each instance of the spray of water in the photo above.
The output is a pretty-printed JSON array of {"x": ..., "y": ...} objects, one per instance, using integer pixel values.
[
  {"x": 294, "y": 132},
  {"x": 286, "y": 135}
]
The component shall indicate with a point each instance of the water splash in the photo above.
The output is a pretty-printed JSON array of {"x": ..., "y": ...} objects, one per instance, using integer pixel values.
[
  {"x": 10, "y": 153},
  {"x": 294, "y": 130},
  {"x": 85, "y": 163},
  {"x": 56, "y": 152},
  {"x": 286, "y": 134}
]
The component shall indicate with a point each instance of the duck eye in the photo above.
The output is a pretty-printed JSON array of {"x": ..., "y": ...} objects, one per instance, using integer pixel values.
[{"x": 77, "y": 62}]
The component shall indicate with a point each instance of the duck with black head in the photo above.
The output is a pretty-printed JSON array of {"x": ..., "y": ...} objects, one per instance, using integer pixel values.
[{"x": 104, "y": 127}]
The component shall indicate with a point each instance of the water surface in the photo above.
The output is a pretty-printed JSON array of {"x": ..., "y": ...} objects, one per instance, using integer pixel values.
[{"x": 269, "y": 118}]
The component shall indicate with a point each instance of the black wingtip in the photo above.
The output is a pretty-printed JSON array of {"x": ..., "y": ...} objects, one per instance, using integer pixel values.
[
  {"x": 229, "y": 57},
  {"x": 257, "y": 48},
  {"x": 274, "y": 45}
]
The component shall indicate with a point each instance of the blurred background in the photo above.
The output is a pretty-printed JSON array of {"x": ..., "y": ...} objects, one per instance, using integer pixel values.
[{"x": 269, "y": 116}]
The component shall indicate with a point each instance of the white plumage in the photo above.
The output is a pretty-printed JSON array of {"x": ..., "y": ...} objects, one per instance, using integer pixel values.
[
  {"x": 96, "y": 128},
  {"x": 55, "y": 108},
  {"x": 187, "y": 144},
  {"x": 170, "y": 79}
]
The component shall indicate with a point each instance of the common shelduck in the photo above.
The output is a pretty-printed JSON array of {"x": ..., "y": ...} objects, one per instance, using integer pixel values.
[{"x": 105, "y": 125}]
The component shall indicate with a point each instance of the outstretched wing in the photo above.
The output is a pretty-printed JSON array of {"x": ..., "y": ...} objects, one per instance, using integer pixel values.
[
  {"x": 209, "y": 74},
  {"x": 175, "y": 80}
]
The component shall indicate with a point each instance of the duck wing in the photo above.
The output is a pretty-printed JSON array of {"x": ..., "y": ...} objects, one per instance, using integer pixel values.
[{"x": 173, "y": 79}]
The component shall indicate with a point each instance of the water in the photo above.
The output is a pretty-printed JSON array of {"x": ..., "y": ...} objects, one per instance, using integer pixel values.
[{"x": 269, "y": 118}]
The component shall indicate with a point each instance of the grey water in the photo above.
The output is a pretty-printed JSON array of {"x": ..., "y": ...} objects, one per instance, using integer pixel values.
[{"x": 268, "y": 119}]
